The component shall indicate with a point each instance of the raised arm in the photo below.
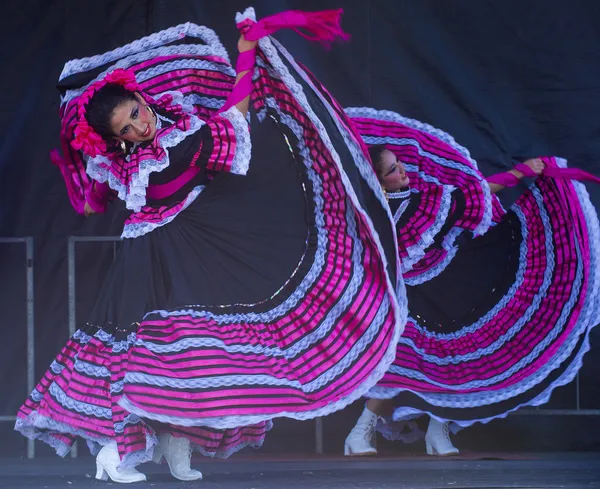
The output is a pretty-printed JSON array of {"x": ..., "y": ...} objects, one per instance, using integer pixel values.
[{"x": 535, "y": 164}]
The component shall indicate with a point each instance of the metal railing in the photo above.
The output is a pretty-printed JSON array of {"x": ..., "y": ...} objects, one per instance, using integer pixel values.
[
  {"x": 72, "y": 280},
  {"x": 29, "y": 303},
  {"x": 72, "y": 269},
  {"x": 319, "y": 439},
  {"x": 72, "y": 272}
]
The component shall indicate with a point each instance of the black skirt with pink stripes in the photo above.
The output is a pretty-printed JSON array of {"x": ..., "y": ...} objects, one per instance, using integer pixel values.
[
  {"x": 268, "y": 295},
  {"x": 501, "y": 303}
]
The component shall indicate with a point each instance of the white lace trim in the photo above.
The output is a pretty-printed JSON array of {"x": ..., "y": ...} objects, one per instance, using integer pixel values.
[
  {"x": 400, "y": 194},
  {"x": 243, "y": 143},
  {"x": 236, "y": 448},
  {"x": 590, "y": 316},
  {"x": 146, "y": 44},
  {"x": 401, "y": 210},
  {"x": 134, "y": 194},
  {"x": 417, "y": 251},
  {"x": 137, "y": 229},
  {"x": 388, "y": 115},
  {"x": 397, "y": 303},
  {"x": 141, "y": 76}
]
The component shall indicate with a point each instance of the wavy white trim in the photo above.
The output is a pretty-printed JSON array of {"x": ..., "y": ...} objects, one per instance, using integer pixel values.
[
  {"x": 236, "y": 448},
  {"x": 435, "y": 270},
  {"x": 147, "y": 43},
  {"x": 136, "y": 229},
  {"x": 473, "y": 170},
  {"x": 515, "y": 328},
  {"x": 388, "y": 115},
  {"x": 293, "y": 351},
  {"x": 486, "y": 220},
  {"x": 400, "y": 194},
  {"x": 129, "y": 419},
  {"x": 417, "y": 251},
  {"x": 589, "y": 318},
  {"x": 36, "y": 396},
  {"x": 338, "y": 369},
  {"x": 56, "y": 367},
  {"x": 387, "y": 305},
  {"x": 35, "y": 427},
  {"x": 143, "y": 75},
  {"x": 400, "y": 306},
  {"x": 90, "y": 369},
  {"x": 79, "y": 406},
  {"x": 243, "y": 143},
  {"x": 401, "y": 210},
  {"x": 267, "y": 45}
]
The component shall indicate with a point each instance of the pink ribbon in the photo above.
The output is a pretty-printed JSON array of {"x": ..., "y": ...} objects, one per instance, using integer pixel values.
[
  {"x": 509, "y": 180},
  {"x": 323, "y": 26},
  {"x": 570, "y": 174}
]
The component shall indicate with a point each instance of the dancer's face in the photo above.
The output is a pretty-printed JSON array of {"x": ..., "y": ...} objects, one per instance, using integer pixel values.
[
  {"x": 392, "y": 173},
  {"x": 132, "y": 121}
]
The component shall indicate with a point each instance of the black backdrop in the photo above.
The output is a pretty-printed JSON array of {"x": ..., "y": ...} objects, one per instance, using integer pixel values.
[{"x": 507, "y": 78}]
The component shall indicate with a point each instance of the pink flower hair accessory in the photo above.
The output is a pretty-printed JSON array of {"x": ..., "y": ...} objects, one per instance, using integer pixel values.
[{"x": 85, "y": 138}]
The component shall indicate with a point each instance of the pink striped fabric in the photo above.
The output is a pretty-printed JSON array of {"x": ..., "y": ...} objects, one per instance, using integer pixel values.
[{"x": 219, "y": 375}]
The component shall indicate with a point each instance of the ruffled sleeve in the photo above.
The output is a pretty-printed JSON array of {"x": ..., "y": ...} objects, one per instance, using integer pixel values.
[
  {"x": 420, "y": 220},
  {"x": 221, "y": 145},
  {"x": 226, "y": 145},
  {"x": 98, "y": 195},
  {"x": 431, "y": 223}
]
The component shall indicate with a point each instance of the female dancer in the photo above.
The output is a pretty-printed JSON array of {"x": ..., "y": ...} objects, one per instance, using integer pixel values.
[
  {"x": 234, "y": 299},
  {"x": 500, "y": 303}
]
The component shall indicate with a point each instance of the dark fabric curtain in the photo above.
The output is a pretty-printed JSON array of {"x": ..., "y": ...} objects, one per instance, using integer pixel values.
[{"x": 507, "y": 78}]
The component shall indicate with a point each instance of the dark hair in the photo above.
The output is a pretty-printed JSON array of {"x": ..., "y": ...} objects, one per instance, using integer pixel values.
[
  {"x": 102, "y": 105},
  {"x": 375, "y": 152}
]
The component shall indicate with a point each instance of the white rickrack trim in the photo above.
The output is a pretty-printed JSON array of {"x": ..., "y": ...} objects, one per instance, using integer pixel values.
[
  {"x": 179, "y": 50},
  {"x": 137, "y": 229},
  {"x": 236, "y": 448},
  {"x": 417, "y": 251},
  {"x": 401, "y": 210},
  {"x": 145, "y": 44},
  {"x": 400, "y": 194},
  {"x": 396, "y": 303},
  {"x": 243, "y": 143},
  {"x": 589, "y": 318},
  {"x": 388, "y": 115},
  {"x": 36, "y": 426}
]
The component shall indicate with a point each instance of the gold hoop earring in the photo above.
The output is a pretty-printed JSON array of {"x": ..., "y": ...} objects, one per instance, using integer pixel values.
[
  {"x": 150, "y": 109},
  {"x": 123, "y": 146}
]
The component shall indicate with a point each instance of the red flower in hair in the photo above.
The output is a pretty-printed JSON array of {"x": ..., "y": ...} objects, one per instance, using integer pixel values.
[
  {"x": 87, "y": 140},
  {"x": 84, "y": 137},
  {"x": 122, "y": 77}
]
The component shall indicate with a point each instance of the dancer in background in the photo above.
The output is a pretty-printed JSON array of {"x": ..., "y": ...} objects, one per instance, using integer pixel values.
[
  {"x": 501, "y": 303},
  {"x": 255, "y": 280}
]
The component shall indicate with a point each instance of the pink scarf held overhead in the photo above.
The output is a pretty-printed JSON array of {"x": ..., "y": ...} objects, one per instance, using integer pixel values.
[{"x": 323, "y": 27}]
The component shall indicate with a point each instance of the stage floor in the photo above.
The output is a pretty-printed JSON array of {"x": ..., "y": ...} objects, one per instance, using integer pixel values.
[{"x": 556, "y": 470}]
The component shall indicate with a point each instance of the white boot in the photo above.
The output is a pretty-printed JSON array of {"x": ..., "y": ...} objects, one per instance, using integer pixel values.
[
  {"x": 107, "y": 462},
  {"x": 178, "y": 453},
  {"x": 361, "y": 440},
  {"x": 437, "y": 439}
]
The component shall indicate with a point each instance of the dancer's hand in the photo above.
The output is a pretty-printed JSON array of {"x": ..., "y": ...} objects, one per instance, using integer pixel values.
[
  {"x": 536, "y": 164},
  {"x": 244, "y": 45},
  {"x": 87, "y": 210}
]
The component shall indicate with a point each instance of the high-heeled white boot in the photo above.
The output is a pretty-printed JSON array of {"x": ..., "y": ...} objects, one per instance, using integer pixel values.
[
  {"x": 107, "y": 462},
  {"x": 361, "y": 440},
  {"x": 178, "y": 454},
  {"x": 437, "y": 439}
]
